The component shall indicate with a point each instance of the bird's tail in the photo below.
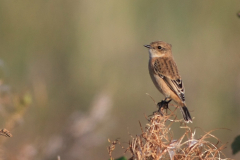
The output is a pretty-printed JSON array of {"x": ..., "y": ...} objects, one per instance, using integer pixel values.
[{"x": 186, "y": 115}]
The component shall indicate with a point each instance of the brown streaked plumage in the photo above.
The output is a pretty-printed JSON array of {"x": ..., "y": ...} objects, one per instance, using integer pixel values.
[{"x": 165, "y": 76}]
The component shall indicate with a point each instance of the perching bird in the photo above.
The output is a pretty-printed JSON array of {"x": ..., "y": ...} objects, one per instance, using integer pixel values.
[{"x": 164, "y": 73}]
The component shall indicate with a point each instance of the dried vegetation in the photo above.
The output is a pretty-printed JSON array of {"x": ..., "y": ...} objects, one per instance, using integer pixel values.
[{"x": 157, "y": 141}]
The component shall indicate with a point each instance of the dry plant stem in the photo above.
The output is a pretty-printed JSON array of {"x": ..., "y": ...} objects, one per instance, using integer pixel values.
[
  {"x": 156, "y": 141},
  {"x": 5, "y": 132}
]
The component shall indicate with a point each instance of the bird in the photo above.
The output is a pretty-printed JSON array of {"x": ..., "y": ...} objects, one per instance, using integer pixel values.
[{"x": 165, "y": 76}]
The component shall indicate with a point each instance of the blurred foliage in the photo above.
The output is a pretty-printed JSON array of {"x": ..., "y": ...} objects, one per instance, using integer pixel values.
[
  {"x": 236, "y": 145},
  {"x": 122, "y": 158},
  {"x": 238, "y": 14},
  {"x": 84, "y": 61},
  {"x": 13, "y": 107}
]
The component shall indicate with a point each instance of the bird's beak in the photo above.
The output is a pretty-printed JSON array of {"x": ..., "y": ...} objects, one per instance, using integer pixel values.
[{"x": 147, "y": 46}]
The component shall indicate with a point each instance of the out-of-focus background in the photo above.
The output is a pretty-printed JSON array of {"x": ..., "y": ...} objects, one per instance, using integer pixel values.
[{"x": 82, "y": 68}]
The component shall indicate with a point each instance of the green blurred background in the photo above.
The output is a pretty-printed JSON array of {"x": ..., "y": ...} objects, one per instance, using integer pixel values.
[{"x": 85, "y": 66}]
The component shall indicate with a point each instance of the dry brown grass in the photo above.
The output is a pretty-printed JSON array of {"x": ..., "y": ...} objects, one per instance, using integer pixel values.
[
  {"x": 5, "y": 132},
  {"x": 157, "y": 142}
]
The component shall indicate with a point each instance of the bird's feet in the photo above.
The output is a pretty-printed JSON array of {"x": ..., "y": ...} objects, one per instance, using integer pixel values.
[{"x": 163, "y": 104}]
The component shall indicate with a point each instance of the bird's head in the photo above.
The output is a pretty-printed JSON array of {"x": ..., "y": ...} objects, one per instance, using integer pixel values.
[{"x": 159, "y": 49}]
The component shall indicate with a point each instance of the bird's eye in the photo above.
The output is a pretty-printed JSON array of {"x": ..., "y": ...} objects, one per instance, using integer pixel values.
[{"x": 159, "y": 47}]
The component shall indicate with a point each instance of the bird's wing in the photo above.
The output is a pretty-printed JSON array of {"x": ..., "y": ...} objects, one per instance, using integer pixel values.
[{"x": 167, "y": 70}]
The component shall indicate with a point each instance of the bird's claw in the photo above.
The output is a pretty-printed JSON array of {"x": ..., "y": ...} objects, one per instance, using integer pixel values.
[{"x": 163, "y": 104}]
